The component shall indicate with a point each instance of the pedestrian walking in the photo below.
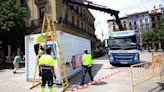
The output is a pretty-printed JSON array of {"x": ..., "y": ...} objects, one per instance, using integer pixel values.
[
  {"x": 46, "y": 70},
  {"x": 16, "y": 61},
  {"x": 86, "y": 66}
]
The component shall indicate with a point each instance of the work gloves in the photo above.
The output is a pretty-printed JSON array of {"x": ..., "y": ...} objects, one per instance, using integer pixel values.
[{"x": 40, "y": 73}]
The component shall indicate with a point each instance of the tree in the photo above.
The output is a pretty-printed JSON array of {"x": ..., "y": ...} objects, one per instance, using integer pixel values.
[
  {"x": 161, "y": 23},
  {"x": 154, "y": 35},
  {"x": 11, "y": 15},
  {"x": 12, "y": 21},
  {"x": 100, "y": 44},
  {"x": 149, "y": 36}
]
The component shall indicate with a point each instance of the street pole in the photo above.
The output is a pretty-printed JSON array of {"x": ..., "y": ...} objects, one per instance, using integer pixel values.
[
  {"x": 102, "y": 36},
  {"x": 140, "y": 39}
]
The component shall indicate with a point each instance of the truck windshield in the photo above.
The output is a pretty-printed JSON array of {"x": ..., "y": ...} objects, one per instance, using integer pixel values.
[{"x": 123, "y": 43}]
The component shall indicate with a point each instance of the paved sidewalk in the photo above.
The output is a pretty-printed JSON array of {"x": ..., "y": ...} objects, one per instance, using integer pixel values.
[{"x": 10, "y": 82}]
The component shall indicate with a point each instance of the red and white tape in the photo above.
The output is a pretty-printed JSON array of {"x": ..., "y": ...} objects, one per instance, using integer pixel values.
[{"x": 97, "y": 80}]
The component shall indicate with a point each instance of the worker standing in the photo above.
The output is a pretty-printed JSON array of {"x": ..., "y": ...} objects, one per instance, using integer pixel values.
[
  {"x": 86, "y": 66},
  {"x": 46, "y": 70}
]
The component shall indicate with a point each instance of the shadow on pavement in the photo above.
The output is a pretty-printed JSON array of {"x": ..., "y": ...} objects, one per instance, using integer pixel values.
[
  {"x": 19, "y": 72},
  {"x": 2, "y": 71},
  {"x": 117, "y": 66},
  {"x": 9, "y": 65},
  {"x": 104, "y": 57},
  {"x": 100, "y": 83},
  {"x": 160, "y": 90},
  {"x": 75, "y": 80},
  {"x": 113, "y": 67}
]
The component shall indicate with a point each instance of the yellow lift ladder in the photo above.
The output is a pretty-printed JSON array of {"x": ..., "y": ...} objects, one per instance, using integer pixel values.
[{"x": 59, "y": 58}]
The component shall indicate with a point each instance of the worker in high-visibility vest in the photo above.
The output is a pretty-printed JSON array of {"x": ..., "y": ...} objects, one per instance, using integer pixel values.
[
  {"x": 86, "y": 66},
  {"x": 37, "y": 41},
  {"x": 46, "y": 70}
]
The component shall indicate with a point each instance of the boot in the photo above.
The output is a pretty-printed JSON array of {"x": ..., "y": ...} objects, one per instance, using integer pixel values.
[
  {"x": 50, "y": 89},
  {"x": 42, "y": 89}
]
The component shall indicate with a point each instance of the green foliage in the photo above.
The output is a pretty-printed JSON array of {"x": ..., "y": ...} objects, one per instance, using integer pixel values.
[
  {"x": 12, "y": 21},
  {"x": 155, "y": 35},
  {"x": 11, "y": 15},
  {"x": 161, "y": 23},
  {"x": 100, "y": 44}
]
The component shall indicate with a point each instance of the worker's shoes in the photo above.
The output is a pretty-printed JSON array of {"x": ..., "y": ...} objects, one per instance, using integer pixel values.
[{"x": 81, "y": 83}]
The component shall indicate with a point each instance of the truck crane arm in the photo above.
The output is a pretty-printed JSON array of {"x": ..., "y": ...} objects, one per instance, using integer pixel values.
[{"x": 90, "y": 5}]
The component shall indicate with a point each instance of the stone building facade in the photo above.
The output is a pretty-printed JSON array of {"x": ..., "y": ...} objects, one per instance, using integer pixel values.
[{"x": 74, "y": 19}]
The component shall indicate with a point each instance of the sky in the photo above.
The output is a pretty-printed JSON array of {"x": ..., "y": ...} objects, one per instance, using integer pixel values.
[{"x": 124, "y": 6}]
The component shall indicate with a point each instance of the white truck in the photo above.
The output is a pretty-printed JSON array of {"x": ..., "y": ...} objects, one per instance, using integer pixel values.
[{"x": 72, "y": 48}]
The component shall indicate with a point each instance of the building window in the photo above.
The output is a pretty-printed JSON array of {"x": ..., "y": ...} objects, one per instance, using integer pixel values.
[
  {"x": 88, "y": 30},
  {"x": 113, "y": 23},
  {"x": 81, "y": 25},
  {"x": 125, "y": 26},
  {"x": 78, "y": 22},
  {"x": 136, "y": 16},
  {"x": 66, "y": 15},
  {"x": 73, "y": 20},
  {"x": 22, "y": 1},
  {"x": 77, "y": 9},
  {"x": 114, "y": 28},
  {"x": 74, "y": 7},
  {"x": 130, "y": 23},
  {"x": 135, "y": 23},
  {"x": 81, "y": 13},
  {"x": 146, "y": 21},
  {"x": 41, "y": 12},
  {"x": 153, "y": 25},
  {"x": 153, "y": 19},
  {"x": 85, "y": 28}
]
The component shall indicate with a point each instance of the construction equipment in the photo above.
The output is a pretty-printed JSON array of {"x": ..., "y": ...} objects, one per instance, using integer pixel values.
[
  {"x": 51, "y": 36},
  {"x": 89, "y": 4},
  {"x": 70, "y": 47}
]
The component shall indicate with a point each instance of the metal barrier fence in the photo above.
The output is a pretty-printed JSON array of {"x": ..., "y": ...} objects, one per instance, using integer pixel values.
[{"x": 140, "y": 73}]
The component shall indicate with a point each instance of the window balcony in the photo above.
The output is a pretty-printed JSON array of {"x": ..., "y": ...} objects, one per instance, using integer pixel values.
[
  {"x": 72, "y": 25},
  {"x": 40, "y": 2},
  {"x": 33, "y": 23}
]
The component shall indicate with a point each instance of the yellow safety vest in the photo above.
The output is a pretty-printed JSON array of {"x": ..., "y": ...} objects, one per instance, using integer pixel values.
[
  {"x": 46, "y": 60},
  {"x": 87, "y": 60},
  {"x": 37, "y": 39},
  {"x": 41, "y": 52}
]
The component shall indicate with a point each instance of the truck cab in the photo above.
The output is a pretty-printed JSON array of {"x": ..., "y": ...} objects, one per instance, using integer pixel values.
[{"x": 123, "y": 48}]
